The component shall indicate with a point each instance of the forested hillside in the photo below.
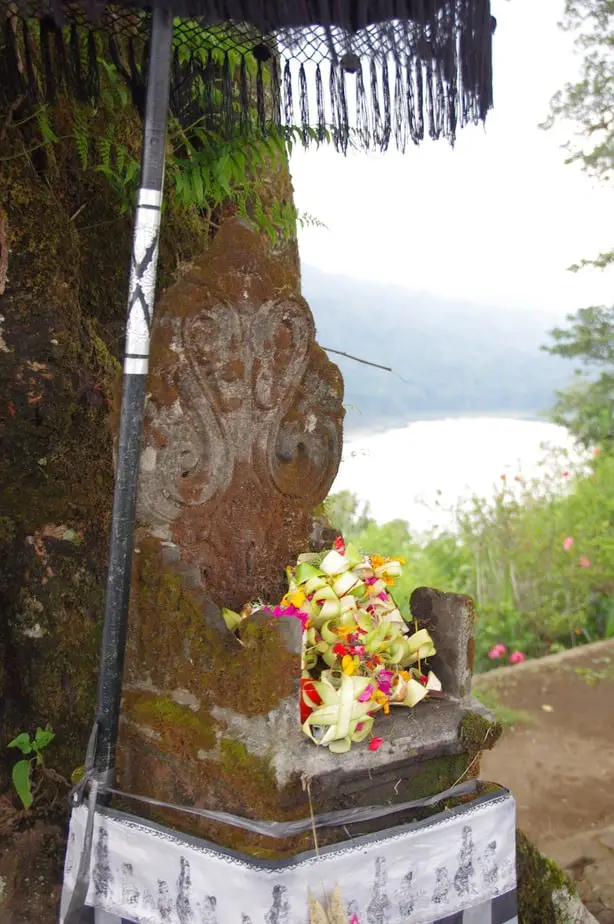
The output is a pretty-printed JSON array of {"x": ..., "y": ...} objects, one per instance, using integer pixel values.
[{"x": 449, "y": 357}]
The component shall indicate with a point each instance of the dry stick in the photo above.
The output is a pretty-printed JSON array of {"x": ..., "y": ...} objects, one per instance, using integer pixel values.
[
  {"x": 367, "y": 362},
  {"x": 357, "y": 359},
  {"x": 312, "y": 816},
  {"x": 9, "y": 115}
]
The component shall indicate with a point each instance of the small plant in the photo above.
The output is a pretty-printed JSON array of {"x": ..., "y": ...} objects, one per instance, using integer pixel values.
[{"x": 23, "y": 769}]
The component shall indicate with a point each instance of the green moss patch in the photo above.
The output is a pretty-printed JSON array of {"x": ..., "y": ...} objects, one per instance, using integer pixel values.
[
  {"x": 183, "y": 732},
  {"x": 478, "y": 733},
  {"x": 538, "y": 878}
]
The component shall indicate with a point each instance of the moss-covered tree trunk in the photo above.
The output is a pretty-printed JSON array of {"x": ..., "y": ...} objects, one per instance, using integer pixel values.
[{"x": 63, "y": 275}]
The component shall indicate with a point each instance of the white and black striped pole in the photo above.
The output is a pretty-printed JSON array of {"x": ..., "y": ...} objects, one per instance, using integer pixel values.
[{"x": 140, "y": 311}]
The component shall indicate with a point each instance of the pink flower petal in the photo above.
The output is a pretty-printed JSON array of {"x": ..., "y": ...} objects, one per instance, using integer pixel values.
[
  {"x": 517, "y": 657},
  {"x": 366, "y": 694},
  {"x": 584, "y": 562},
  {"x": 354, "y": 919},
  {"x": 567, "y": 543},
  {"x": 375, "y": 744},
  {"x": 383, "y": 595},
  {"x": 384, "y": 681},
  {"x": 289, "y": 610},
  {"x": 304, "y": 618}
]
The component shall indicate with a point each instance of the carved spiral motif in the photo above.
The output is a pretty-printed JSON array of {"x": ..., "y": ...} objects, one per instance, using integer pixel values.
[{"x": 251, "y": 391}]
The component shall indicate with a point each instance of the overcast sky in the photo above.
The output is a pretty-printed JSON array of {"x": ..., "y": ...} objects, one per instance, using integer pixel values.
[{"x": 498, "y": 218}]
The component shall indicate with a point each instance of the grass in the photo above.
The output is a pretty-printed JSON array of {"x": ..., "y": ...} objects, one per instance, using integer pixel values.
[{"x": 502, "y": 714}]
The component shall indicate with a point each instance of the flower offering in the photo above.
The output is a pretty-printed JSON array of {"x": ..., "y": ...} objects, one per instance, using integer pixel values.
[{"x": 359, "y": 655}]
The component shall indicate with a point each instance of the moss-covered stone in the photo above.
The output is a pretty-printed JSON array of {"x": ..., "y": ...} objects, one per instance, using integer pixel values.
[
  {"x": 183, "y": 731},
  {"x": 251, "y": 676},
  {"x": 538, "y": 879},
  {"x": 478, "y": 733}
]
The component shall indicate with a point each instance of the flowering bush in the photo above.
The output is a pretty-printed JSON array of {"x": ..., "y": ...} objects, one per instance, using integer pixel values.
[{"x": 537, "y": 558}]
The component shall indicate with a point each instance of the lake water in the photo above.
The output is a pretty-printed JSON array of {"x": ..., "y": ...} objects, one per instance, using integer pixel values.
[{"x": 400, "y": 472}]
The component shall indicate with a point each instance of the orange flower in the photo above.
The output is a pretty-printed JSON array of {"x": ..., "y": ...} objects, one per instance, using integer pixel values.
[{"x": 344, "y": 631}]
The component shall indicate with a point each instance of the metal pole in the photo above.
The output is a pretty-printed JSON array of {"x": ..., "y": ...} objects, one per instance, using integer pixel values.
[{"x": 140, "y": 310}]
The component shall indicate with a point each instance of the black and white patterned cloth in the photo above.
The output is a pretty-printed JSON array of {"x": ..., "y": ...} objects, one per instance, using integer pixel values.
[{"x": 457, "y": 867}]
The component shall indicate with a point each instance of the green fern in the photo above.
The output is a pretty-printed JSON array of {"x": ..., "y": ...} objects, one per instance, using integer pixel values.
[
  {"x": 81, "y": 134},
  {"x": 204, "y": 169},
  {"x": 105, "y": 145},
  {"x": 48, "y": 136}
]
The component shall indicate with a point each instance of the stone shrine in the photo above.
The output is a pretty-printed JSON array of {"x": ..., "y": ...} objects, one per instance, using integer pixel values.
[{"x": 242, "y": 442}]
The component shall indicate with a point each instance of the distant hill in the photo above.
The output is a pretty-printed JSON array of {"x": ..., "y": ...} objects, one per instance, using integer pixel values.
[{"x": 454, "y": 358}]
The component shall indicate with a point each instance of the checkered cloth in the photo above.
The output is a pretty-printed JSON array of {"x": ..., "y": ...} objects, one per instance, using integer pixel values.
[{"x": 500, "y": 910}]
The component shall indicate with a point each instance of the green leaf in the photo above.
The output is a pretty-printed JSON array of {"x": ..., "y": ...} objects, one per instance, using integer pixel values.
[
  {"x": 21, "y": 782},
  {"x": 77, "y": 775},
  {"x": 43, "y": 737},
  {"x": 22, "y": 742}
]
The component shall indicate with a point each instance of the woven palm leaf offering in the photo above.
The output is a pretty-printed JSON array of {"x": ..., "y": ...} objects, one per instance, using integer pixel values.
[{"x": 359, "y": 655}]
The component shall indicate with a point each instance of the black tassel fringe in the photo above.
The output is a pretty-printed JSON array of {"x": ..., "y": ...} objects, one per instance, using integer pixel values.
[{"x": 394, "y": 82}]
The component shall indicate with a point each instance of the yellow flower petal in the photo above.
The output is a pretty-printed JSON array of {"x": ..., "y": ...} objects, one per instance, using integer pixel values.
[
  {"x": 348, "y": 665},
  {"x": 297, "y": 599}
]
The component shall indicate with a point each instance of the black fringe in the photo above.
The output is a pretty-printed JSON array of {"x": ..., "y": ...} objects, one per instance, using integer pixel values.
[
  {"x": 304, "y": 103},
  {"x": 288, "y": 101},
  {"x": 320, "y": 107},
  {"x": 260, "y": 99},
  {"x": 275, "y": 93},
  {"x": 399, "y": 80},
  {"x": 363, "y": 129},
  {"x": 400, "y": 123}
]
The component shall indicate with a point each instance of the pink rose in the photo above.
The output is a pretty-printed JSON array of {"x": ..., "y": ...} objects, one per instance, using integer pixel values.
[
  {"x": 517, "y": 657},
  {"x": 567, "y": 544},
  {"x": 497, "y": 651}
]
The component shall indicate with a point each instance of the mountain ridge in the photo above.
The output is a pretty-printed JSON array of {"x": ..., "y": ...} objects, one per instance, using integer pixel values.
[{"x": 449, "y": 357}]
